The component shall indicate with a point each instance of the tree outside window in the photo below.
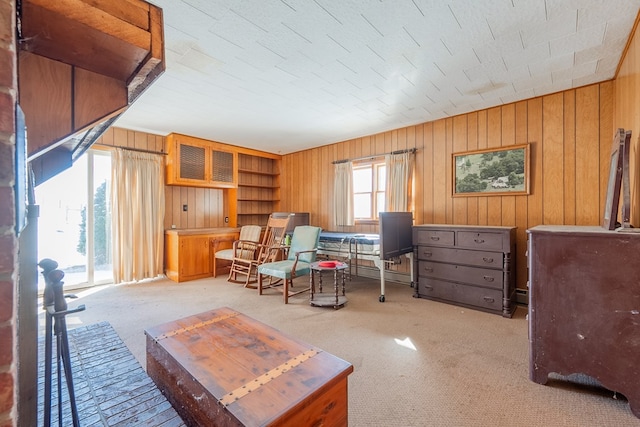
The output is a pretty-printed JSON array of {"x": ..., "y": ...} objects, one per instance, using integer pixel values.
[{"x": 101, "y": 227}]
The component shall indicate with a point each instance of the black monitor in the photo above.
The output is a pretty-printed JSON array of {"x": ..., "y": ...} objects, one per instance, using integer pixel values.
[{"x": 295, "y": 219}]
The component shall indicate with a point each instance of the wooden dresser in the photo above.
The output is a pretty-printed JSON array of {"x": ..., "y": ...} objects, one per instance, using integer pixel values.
[
  {"x": 584, "y": 306},
  {"x": 471, "y": 266}
]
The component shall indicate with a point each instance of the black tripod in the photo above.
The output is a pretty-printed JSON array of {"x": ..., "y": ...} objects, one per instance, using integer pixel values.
[{"x": 56, "y": 309}]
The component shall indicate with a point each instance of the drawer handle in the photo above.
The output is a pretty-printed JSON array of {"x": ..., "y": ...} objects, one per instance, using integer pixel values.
[
  {"x": 478, "y": 240},
  {"x": 435, "y": 238},
  {"x": 428, "y": 269},
  {"x": 489, "y": 299},
  {"x": 487, "y": 260},
  {"x": 488, "y": 278},
  {"x": 427, "y": 253},
  {"x": 430, "y": 288}
]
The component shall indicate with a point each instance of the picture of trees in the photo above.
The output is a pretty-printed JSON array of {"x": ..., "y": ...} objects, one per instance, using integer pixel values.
[{"x": 492, "y": 171}]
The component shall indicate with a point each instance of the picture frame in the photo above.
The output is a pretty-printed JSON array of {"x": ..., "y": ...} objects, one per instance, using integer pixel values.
[
  {"x": 615, "y": 180},
  {"x": 502, "y": 171},
  {"x": 626, "y": 182}
]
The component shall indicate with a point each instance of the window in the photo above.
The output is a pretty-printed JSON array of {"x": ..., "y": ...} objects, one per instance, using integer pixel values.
[
  {"x": 368, "y": 189},
  {"x": 75, "y": 220}
]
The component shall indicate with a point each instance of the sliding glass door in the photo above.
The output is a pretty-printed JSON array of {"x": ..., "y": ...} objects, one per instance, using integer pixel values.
[{"x": 74, "y": 227}]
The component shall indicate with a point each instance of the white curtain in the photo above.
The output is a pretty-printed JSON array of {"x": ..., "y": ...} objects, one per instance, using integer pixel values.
[
  {"x": 399, "y": 182},
  {"x": 137, "y": 203},
  {"x": 343, "y": 195}
]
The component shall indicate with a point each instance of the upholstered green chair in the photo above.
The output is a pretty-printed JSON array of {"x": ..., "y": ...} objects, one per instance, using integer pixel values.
[{"x": 301, "y": 253}]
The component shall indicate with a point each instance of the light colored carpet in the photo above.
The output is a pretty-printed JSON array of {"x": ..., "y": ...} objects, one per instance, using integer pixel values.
[{"x": 468, "y": 368}]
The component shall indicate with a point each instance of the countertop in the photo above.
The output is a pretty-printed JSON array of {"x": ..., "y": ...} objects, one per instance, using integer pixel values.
[{"x": 196, "y": 231}]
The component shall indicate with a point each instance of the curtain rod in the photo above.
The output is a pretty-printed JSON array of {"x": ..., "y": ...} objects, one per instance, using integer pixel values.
[
  {"x": 140, "y": 150},
  {"x": 373, "y": 156}
]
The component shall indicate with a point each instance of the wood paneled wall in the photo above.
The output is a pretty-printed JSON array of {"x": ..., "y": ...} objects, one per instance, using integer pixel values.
[
  {"x": 570, "y": 133},
  {"x": 205, "y": 206},
  {"x": 627, "y": 114}
]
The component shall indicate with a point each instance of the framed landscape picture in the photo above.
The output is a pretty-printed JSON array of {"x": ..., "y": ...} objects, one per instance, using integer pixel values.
[{"x": 492, "y": 171}]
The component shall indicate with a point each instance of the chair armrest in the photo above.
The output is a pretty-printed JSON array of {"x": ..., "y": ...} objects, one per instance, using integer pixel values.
[
  {"x": 295, "y": 263},
  {"x": 305, "y": 252},
  {"x": 217, "y": 239},
  {"x": 269, "y": 251},
  {"x": 244, "y": 245}
]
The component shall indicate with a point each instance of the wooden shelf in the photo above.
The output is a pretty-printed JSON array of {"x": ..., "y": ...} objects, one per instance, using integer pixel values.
[
  {"x": 258, "y": 192},
  {"x": 268, "y": 187},
  {"x": 256, "y": 172}
]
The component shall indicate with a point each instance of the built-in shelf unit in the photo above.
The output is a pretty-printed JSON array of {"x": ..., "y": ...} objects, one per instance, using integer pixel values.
[{"x": 258, "y": 188}]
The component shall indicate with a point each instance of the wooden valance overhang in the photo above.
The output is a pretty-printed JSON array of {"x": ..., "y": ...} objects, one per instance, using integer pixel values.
[{"x": 81, "y": 64}]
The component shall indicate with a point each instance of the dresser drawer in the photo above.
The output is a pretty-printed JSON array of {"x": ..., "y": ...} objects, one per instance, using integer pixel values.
[
  {"x": 462, "y": 256},
  {"x": 458, "y": 293},
  {"x": 480, "y": 240},
  {"x": 461, "y": 273},
  {"x": 433, "y": 237}
]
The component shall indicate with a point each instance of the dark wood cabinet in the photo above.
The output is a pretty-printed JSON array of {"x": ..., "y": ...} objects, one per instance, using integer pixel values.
[
  {"x": 471, "y": 266},
  {"x": 584, "y": 306}
]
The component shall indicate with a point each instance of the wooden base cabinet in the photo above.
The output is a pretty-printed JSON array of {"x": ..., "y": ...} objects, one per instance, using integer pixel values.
[
  {"x": 189, "y": 252},
  {"x": 584, "y": 306},
  {"x": 471, "y": 266}
]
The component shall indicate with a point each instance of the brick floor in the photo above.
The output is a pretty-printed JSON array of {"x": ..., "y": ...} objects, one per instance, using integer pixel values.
[{"x": 111, "y": 387}]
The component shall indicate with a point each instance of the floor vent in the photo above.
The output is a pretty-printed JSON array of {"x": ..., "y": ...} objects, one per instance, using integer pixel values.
[{"x": 522, "y": 296}]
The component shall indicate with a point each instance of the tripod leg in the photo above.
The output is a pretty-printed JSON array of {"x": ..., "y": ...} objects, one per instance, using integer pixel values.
[
  {"x": 58, "y": 356},
  {"x": 48, "y": 356},
  {"x": 48, "y": 265},
  {"x": 66, "y": 360}
]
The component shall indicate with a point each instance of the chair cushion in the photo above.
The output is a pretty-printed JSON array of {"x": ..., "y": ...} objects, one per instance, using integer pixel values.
[
  {"x": 305, "y": 237},
  {"x": 250, "y": 232},
  {"x": 282, "y": 269},
  {"x": 225, "y": 254}
]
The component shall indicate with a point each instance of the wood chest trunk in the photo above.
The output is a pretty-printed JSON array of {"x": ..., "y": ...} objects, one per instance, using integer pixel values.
[{"x": 223, "y": 368}]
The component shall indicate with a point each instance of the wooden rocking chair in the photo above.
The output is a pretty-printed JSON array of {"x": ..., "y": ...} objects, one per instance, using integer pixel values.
[{"x": 265, "y": 251}]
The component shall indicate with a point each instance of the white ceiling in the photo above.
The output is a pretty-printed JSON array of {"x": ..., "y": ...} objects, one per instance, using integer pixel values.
[{"x": 286, "y": 75}]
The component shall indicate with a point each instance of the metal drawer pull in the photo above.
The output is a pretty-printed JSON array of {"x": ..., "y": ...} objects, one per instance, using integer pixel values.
[
  {"x": 488, "y": 278},
  {"x": 435, "y": 238},
  {"x": 428, "y": 269},
  {"x": 488, "y": 260},
  {"x": 427, "y": 253},
  {"x": 428, "y": 287},
  {"x": 478, "y": 240},
  {"x": 489, "y": 299}
]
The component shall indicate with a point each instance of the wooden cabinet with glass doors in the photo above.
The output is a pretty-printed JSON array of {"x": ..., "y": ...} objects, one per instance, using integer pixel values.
[{"x": 195, "y": 162}]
